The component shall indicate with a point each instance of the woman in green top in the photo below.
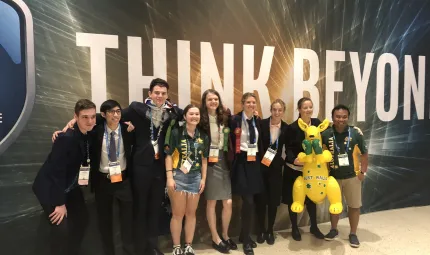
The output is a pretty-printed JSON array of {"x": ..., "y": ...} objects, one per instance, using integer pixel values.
[{"x": 186, "y": 164}]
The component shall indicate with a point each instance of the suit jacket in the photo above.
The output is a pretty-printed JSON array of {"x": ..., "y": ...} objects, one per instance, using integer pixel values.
[
  {"x": 143, "y": 151},
  {"x": 97, "y": 137},
  {"x": 61, "y": 168},
  {"x": 236, "y": 122},
  {"x": 282, "y": 140},
  {"x": 296, "y": 136}
]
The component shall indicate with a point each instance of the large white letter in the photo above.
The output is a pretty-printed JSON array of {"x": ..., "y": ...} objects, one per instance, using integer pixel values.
[
  {"x": 361, "y": 81},
  {"x": 418, "y": 91},
  {"x": 259, "y": 85},
  {"x": 210, "y": 74},
  {"x": 331, "y": 84},
  {"x": 301, "y": 85},
  {"x": 390, "y": 59},
  {"x": 184, "y": 73},
  {"x": 98, "y": 44},
  {"x": 136, "y": 81}
]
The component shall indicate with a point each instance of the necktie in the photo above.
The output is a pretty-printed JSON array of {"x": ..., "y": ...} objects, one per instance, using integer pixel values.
[
  {"x": 251, "y": 131},
  {"x": 112, "y": 148}
]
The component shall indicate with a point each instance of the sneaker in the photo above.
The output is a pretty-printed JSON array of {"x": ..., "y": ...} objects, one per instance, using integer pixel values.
[
  {"x": 331, "y": 235},
  {"x": 177, "y": 250},
  {"x": 353, "y": 241},
  {"x": 189, "y": 250}
]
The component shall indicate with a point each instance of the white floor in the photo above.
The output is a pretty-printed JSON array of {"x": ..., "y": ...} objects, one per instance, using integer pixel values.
[{"x": 403, "y": 231}]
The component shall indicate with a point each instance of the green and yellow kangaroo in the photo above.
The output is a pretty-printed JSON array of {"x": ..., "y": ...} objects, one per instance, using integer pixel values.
[{"x": 315, "y": 182}]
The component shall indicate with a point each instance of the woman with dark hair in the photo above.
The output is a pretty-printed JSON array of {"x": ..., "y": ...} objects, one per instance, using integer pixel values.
[
  {"x": 273, "y": 138},
  {"x": 294, "y": 167},
  {"x": 246, "y": 176},
  {"x": 186, "y": 164},
  {"x": 214, "y": 121}
]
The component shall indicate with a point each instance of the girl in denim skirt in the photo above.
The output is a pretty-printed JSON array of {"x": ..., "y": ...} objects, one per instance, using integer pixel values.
[{"x": 186, "y": 164}]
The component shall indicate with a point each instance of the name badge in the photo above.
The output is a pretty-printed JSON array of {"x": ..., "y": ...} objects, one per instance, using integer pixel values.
[
  {"x": 186, "y": 167},
  {"x": 84, "y": 175},
  {"x": 213, "y": 154},
  {"x": 252, "y": 152},
  {"x": 156, "y": 151},
  {"x": 268, "y": 157},
  {"x": 115, "y": 172},
  {"x": 343, "y": 159}
]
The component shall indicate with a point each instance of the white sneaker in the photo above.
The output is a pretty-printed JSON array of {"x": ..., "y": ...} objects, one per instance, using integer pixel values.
[
  {"x": 177, "y": 250},
  {"x": 189, "y": 250}
]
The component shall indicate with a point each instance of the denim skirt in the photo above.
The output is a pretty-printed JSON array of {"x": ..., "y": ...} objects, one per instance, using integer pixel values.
[{"x": 189, "y": 183}]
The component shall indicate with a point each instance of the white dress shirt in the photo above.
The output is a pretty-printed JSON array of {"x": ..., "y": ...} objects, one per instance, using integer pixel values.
[{"x": 104, "y": 168}]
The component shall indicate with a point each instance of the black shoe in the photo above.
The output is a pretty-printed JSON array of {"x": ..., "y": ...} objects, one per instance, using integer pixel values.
[
  {"x": 296, "y": 234},
  {"x": 260, "y": 238},
  {"x": 247, "y": 249},
  {"x": 353, "y": 241},
  {"x": 317, "y": 233},
  {"x": 270, "y": 238},
  {"x": 221, "y": 247},
  {"x": 331, "y": 235},
  {"x": 253, "y": 244},
  {"x": 189, "y": 250},
  {"x": 230, "y": 243}
]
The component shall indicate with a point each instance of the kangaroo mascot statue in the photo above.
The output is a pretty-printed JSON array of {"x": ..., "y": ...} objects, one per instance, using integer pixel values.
[{"x": 315, "y": 182}]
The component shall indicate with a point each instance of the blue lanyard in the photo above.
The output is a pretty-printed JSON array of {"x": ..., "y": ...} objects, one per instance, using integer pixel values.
[
  {"x": 347, "y": 144},
  {"x": 189, "y": 145},
  {"x": 244, "y": 118},
  {"x": 152, "y": 128},
  {"x": 270, "y": 135},
  {"x": 108, "y": 144}
]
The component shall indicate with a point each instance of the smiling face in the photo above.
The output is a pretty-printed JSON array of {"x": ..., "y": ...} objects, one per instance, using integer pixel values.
[
  {"x": 86, "y": 119},
  {"x": 340, "y": 118},
  {"x": 306, "y": 109},
  {"x": 212, "y": 102},
  {"x": 277, "y": 111},
  {"x": 249, "y": 105},
  {"x": 158, "y": 95},
  {"x": 112, "y": 116},
  {"x": 192, "y": 116}
]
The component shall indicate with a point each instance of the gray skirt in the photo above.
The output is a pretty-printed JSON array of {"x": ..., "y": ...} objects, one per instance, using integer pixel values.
[{"x": 218, "y": 183}]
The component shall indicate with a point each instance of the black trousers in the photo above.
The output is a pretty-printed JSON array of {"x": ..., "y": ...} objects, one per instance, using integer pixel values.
[
  {"x": 67, "y": 237},
  {"x": 247, "y": 215},
  {"x": 106, "y": 194},
  {"x": 148, "y": 184}
]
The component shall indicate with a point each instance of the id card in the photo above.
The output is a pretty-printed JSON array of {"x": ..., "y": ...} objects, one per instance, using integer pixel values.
[
  {"x": 252, "y": 152},
  {"x": 186, "y": 167},
  {"x": 268, "y": 157},
  {"x": 156, "y": 151},
  {"x": 84, "y": 175},
  {"x": 213, "y": 154},
  {"x": 343, "y": 159},
  {"x": 115, "y": 172}
]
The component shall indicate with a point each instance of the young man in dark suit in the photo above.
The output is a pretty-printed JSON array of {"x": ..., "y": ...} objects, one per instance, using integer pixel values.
[
  {"x": 110, "y": 168},
  {"x": 151, "y": 120},
  {"x": 57, "y": 183}
]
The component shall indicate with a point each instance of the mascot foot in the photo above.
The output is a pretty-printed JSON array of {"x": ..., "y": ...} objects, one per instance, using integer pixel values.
[
  {"x": 336, "y": 208},
  {"x": 297, "y": 207}
]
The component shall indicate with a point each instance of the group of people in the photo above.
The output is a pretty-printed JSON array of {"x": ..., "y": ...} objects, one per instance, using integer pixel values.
[{"x": 131, "y": 155}]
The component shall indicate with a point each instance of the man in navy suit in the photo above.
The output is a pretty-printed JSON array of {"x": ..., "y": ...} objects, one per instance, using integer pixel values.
[{"x": 57, "y": 183}]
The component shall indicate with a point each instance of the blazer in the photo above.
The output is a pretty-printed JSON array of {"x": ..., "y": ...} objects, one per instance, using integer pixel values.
[
  {"x": 61, "y": 168},
  {"x": 282, "y": 140},
  {"x": 97, "y": 136},
  {"x": 236, "y": 122},
  {"x": 296, "y": 136},
  {"x": 143, "y": 152}
]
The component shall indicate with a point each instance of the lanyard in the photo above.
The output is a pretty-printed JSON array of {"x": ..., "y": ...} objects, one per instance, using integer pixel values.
[
  {"x": 270, "y": 136},
  {"x": 189, "y": 146},
  {"x": 108, "y": 143},
  {"x": 152, "y": 128},
  {"x": 244, "y": 118},
  {"x": 73, "y": 184},
  {"x": 347, "y": 144}
]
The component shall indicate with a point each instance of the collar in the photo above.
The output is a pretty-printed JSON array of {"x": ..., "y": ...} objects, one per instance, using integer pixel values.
[
  {"x": 196, "y": 133},
  {"x": 110, "y": 130},
  {"x": 344, "y": 131},
  {"x": 276, "y": 125},
  {"x": 150, "y": 103}
]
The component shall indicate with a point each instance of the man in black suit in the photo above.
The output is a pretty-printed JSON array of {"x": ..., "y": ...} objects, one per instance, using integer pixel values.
[
  {"x": 151, "y": 120},
  {"x": 110, "y": 167},
  {"x": 57, "y": 183}
]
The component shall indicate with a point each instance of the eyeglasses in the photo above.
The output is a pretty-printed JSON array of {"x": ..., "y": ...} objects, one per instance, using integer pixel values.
[{"x": 118, "y": 111}]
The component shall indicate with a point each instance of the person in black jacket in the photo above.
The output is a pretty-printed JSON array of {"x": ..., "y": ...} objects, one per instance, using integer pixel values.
[
  {"x": 151, "y": 120},
  {"x": 110, "y": 167},
  {"x": 273, "y": 138},
  {"x": 246, "y": 178},
  {"x": 293, "y": 168},
  {"x": 57, "y": 183}
]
